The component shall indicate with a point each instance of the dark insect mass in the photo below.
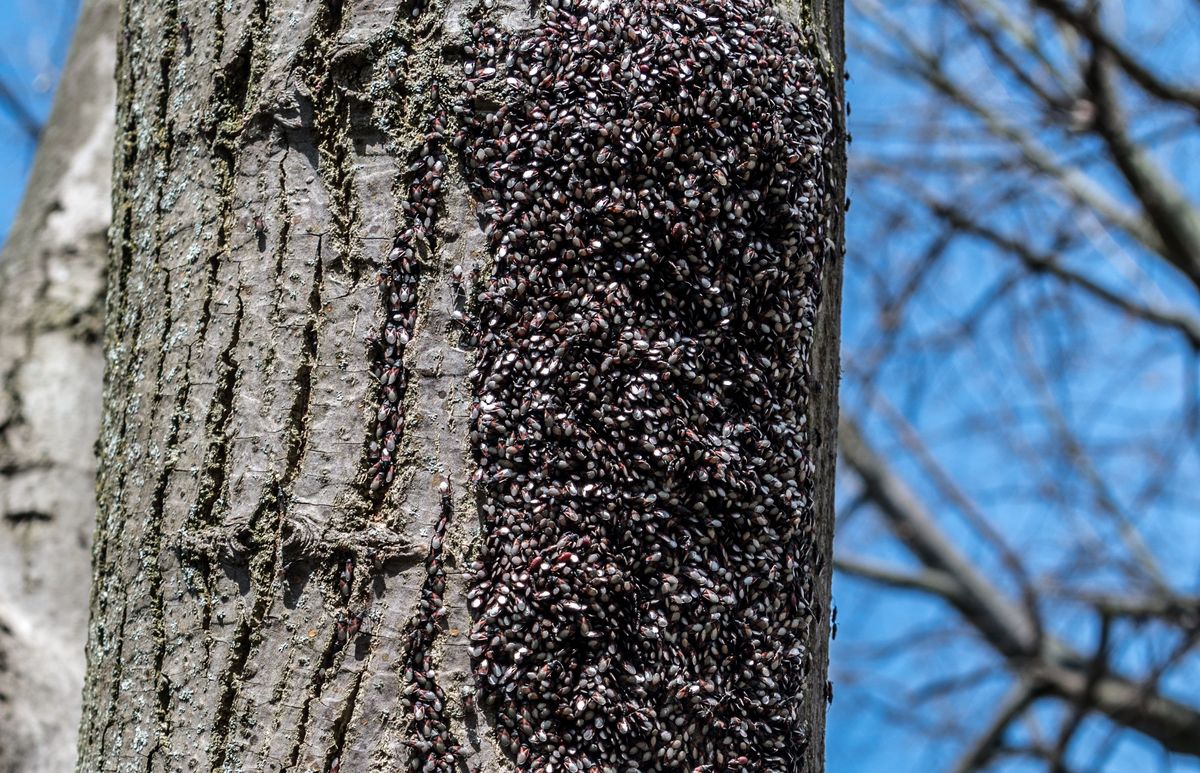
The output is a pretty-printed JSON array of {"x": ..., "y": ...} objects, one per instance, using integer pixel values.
[
  {"x": 398, "y": 282},
  {"x": 653, "y": 178}
]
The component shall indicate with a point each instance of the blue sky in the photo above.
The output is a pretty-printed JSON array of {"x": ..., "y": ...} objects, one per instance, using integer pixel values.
[
  {"x": 1118, "y": 383},
  {"x": 34, "y": 35}
]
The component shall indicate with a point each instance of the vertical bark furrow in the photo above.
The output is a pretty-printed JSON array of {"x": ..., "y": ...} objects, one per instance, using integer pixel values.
[
  {"x": 316, "y": 682},
  {"x": 332, "y": 128},
  {"x": 171, "y": 41},
  {"x": 110, "y": 718},
  {"x": 228, "y": 685},
  {"x": 235, "y": 74},
  {"x": 236, "y": 711},
  {"x": 216, "y": 428},
  {"x": 298, "y": 431},
  {"x": 278, "y": 231},
  {"x": 293, "y": 757},
  {"x": 124, "y": 164},
  {"x": 154, "y": 547},
  {"x": 430, "y": 739},
  {"x": 328, "y": 707},
  {"x": 333, "y": 756},
  {"x": 400, "y": 285}
]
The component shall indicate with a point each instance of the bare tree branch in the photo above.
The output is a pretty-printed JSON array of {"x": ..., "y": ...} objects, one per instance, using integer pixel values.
[
  {"x": 988, "y": 744},
  {"x": 1084, "y": 701},
  {"x": 1088, "y": 25},
  {"x": 22, "y": 115},
  {"x": 1174, "y": 218},
  {"x": 927, "y": 581},
  {"x": 1038, "y": 133},
  {"x": 1003, "y": 625},
  {"x": 1076, "y": 185},
  {"x": 1183, "y": 323},
  {"x": 1179, "y": 610}
]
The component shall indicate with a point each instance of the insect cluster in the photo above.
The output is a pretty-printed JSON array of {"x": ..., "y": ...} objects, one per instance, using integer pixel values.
[
  {"x": 430, "y": 738},
  {"x": 655, "y": 189},
  {"x": 398, "y": 286},
  {"x": 347, "y": 624}
]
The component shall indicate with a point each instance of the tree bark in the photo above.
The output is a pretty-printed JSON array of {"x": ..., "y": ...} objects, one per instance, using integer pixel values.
[
  {"x": 259, "y": 595},
  {"x": 51, "y": 293}
]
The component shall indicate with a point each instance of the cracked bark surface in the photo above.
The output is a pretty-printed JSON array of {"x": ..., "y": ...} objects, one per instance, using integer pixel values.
[
  {"x": 261, "y": 160},
  {"x": 51, "y": 291}
]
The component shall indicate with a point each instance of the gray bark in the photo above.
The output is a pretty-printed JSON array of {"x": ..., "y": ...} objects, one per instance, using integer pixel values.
[
  {"x": 51, "y": 291},
  {"x": 260, "y": 160},
  {"x": 824, "y": 18}
]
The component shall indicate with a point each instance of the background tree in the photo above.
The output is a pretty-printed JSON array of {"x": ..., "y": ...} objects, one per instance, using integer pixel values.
[
  {"x": 279, "y": 568},
  {"x": 1020, "y": 412},
  {"x": 51, "y": 293}
]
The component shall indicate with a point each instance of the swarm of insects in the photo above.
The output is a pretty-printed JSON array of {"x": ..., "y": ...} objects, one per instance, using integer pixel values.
[{"x": 655, "y": 189}]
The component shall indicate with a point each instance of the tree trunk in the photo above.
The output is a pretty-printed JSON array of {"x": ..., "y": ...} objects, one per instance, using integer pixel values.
[
  {"x": 51, "y": 292},
  {"x": 307, "y": 552}
]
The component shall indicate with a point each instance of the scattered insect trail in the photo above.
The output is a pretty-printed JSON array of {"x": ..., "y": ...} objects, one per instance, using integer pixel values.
[
  {"x": 432, "y": 746},
  {"x": 398, "y": 282},
  {"x": 428, "y": 733}
]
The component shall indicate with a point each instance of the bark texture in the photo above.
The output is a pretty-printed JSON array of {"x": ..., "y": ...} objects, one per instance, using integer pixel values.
[
  {"x": 824, "y": 21},
  {"x": 253, "y": 601},
  {"x": 51, "y": 293}
]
